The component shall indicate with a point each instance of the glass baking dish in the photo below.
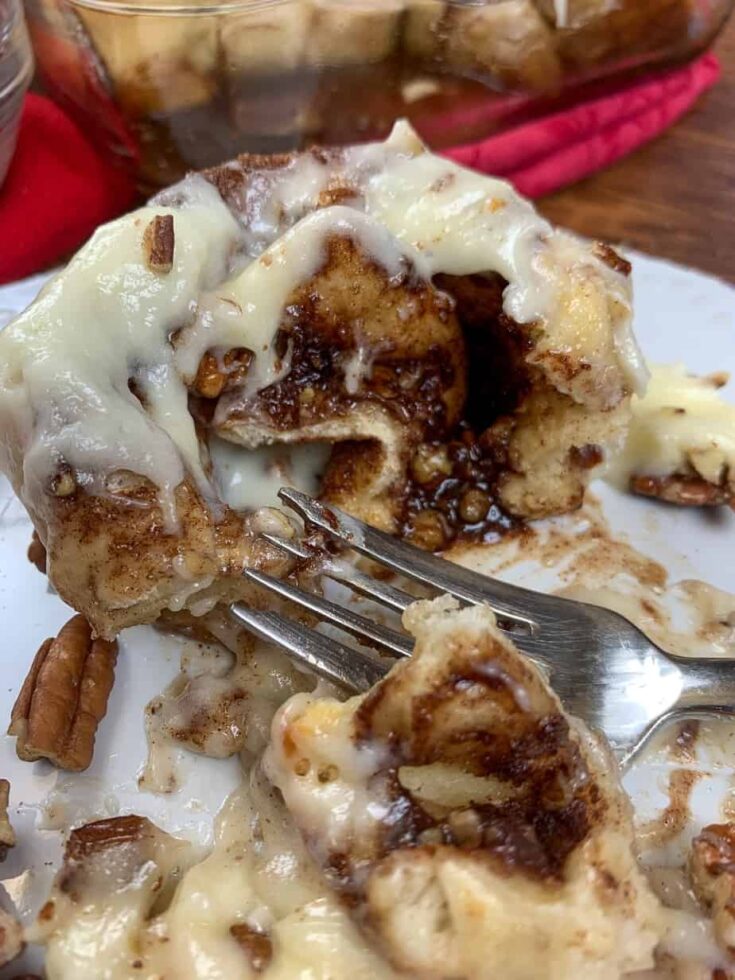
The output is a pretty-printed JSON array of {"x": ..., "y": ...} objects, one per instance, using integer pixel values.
[{"x": 169, "y": 87}]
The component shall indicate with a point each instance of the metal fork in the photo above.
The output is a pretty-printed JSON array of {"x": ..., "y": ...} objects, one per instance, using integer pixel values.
[{"x": 602, "y": 667}]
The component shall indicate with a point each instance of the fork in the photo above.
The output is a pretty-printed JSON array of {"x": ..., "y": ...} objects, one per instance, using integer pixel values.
[{"x": 602, "y": 667}]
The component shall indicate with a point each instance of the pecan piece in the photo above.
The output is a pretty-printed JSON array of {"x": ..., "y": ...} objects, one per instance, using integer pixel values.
[
  {"x": 37, "y": 553},
  {"x": 712, "y": 871},
  {"x": 214, "y": 376},
  {"x": 158, "y": 243},
  {"x": 687, "y": 491},
  {"x": 63, "y": 483},
  {"x": 64, "y": 698},
  {"x": 7, "y": 834},
  {"x": 125, "y": 864},
  {"x": 612, "y": 259}
]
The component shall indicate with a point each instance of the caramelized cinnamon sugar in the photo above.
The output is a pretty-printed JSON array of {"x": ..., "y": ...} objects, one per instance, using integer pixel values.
[
  {"x": 684, "y": 747},
  {"x": 534, "y": 832},
  {"x": 455, "y": 499},
  {"x": 676, "y": 815},
  {"x": 553, "y": 804},
  {"x": 461, "y": 806},
  {"x": 591, "y": 563}
]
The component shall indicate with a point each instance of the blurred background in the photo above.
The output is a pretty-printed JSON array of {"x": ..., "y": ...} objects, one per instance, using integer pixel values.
[{"x": 613, "y": 113}]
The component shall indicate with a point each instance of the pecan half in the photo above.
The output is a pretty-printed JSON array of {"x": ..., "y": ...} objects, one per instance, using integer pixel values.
[
  {"x": 712, "y": 871},
  {"x": 158, "y": 243},
  {"x": 64, "y": 698},
  {"x": 37, "y": 553},
  {"x": 7, "y": 834}
]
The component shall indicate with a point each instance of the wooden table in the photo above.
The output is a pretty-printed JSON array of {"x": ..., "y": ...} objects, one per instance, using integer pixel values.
[{"x": 675, "y": 197}]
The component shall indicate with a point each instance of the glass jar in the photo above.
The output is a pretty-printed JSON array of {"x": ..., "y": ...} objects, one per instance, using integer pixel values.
[
  {"x": 16, "y": 69},
  {"x": 169, "y": 86}
]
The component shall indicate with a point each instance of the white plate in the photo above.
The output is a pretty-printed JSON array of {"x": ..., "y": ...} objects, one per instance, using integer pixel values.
[{"x": 681, "y": 315}]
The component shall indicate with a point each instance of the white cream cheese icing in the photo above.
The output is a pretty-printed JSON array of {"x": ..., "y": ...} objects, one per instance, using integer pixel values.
[
  {"x": 67, "y": 360},
  {"x": 108, "y": 319},
  {"x": 682, "y": 426}
]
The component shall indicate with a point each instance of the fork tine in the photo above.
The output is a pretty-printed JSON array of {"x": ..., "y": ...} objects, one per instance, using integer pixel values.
[
  {"x": 392, "y": 598},
  {"x": 510, "y": 602},
  {"x": 349, "y": 668},
  {"x": 535, "y": 648},
  {"x": 386, "y": 595},
  {"x": 372, "y": 633}
]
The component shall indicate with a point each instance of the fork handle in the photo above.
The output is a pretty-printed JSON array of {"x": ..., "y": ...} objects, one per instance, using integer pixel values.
[{"x": 707, "y": 684}]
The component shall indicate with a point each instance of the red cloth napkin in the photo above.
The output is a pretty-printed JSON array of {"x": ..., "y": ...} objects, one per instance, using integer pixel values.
[
  {"x": 542, "y": 156},
  {"x": 59, "y": 188}
]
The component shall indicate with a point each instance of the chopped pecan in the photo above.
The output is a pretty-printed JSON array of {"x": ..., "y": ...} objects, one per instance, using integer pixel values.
[
  {"x": 63, "y": 483},
  {"x": 37, "y": 553},
  {"x": 64, "y": 697},
  {"x": 712, "y": 871},
  {"x": 610, "y": 257},
  {"x": 7, "y": 834},
  {"x": 125, "y": 859},
  {"x": 255, "y": 943},
  {"x": 215, "y": 376},
  {"x": 336, "y": 193},
  {"x": 158, "y": 243},
  {"x": 718, "y": 379},
  {"x": 100, "y": 835},
  {"x": 687, "y": 491}
]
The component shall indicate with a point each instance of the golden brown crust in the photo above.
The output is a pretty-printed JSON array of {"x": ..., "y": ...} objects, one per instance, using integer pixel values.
[
  {"x": 114, "y": 560},
  {"x": 64, "y": 698}
]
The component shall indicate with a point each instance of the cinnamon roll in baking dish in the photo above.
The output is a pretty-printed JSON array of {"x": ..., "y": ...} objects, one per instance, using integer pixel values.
[{"x": 465, "y": 363}]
